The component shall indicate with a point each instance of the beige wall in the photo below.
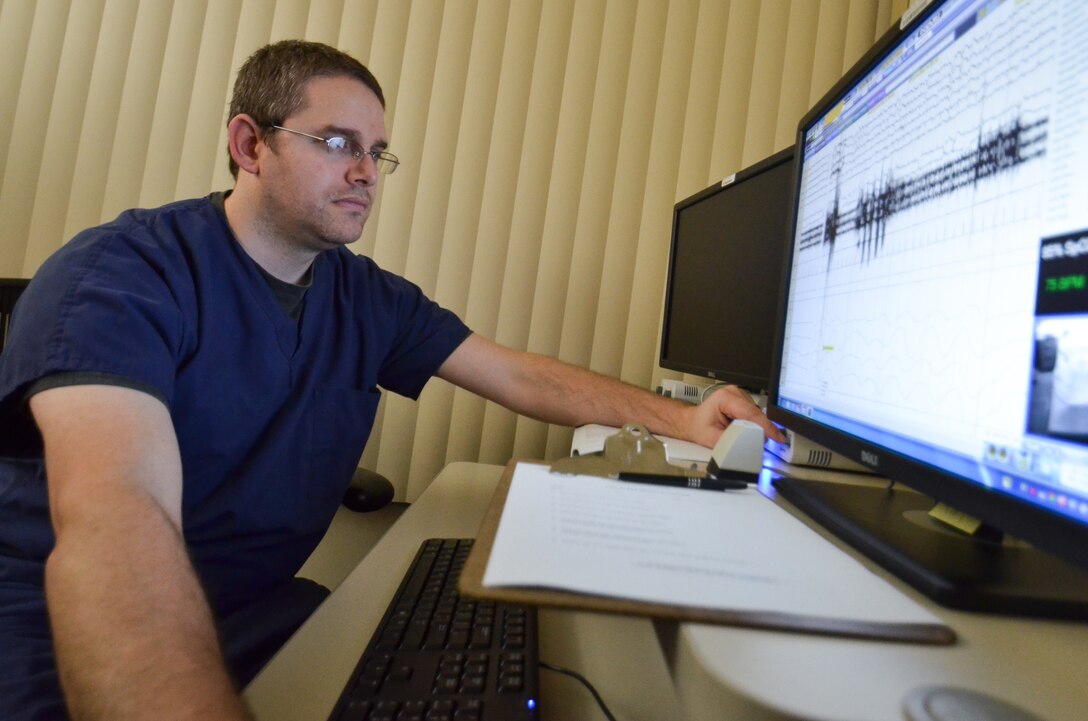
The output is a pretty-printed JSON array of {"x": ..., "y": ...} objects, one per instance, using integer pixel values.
[{"x": 543, "y": 142}]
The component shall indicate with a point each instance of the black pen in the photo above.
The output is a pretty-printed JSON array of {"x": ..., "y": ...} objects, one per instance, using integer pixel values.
[{"x": 700, "y": 482}]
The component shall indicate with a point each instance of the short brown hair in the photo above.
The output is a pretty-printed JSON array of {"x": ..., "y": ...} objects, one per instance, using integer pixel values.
[{"x": 271, "y": 82}]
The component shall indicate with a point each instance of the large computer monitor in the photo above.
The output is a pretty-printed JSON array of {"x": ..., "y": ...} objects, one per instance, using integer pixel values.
[
  {"x": 725, "y": 265},
  {"x": 934, "y": 323}
]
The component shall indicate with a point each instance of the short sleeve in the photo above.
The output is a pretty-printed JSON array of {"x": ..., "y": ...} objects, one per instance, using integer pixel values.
[
  {"x": 109, "y": 302},
  {"x": 426, "y": 335},
  {"x": 406, "y": 334}
]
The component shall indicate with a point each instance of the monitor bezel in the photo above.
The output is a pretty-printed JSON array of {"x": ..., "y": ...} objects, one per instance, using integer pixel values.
[
  {"x": 1048, "y": 531},
  {"x": 718, "y": 374}
]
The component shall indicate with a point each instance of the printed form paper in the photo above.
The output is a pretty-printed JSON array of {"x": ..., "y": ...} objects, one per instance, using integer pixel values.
[{"x": 731, "y": 551}]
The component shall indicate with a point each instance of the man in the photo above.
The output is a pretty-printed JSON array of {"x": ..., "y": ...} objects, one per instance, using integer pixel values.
[{"x": 198, "y": 381}]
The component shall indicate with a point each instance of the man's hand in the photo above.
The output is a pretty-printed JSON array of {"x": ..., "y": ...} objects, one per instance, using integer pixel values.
[{"x": 708, "y": 420}]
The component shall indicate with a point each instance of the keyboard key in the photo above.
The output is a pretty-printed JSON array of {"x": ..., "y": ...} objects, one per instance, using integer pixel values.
[
  {"x": 447, "y": 684},
  {"x": 442, "y": 706},
  {"x": 511, "y": 684},
  {"x": 473, "y": 683},
  {"x": 401, "y": 673},
  {"x": 356, "y": 711},
  {"x": 415, "y": 706}
]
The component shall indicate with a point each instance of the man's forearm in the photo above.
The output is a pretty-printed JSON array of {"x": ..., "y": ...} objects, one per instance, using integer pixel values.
[
  {"x": 550, "y": 390},
  {"x": 574, "y": 396},
  {"x": 133, "y": 633}
]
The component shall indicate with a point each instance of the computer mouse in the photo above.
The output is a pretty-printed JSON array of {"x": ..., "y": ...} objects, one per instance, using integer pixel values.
[
  {"x": 368, "y": 491},
  {"x": 738, "y": 452}
]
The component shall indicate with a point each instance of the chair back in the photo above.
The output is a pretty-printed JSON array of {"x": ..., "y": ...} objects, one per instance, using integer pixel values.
[{"x": 10, "y": 289}]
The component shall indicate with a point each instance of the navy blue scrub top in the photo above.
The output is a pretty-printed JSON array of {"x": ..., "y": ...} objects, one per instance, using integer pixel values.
[{"x": 271, "y": 414}]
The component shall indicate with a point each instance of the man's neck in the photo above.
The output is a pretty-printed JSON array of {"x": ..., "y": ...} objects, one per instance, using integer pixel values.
[{"x": 275, "y": 256}]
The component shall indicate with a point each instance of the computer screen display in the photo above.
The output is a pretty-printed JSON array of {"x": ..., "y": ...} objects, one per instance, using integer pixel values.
[
  {"x": 936, "y": 318},
  {"x": 725, "y": 268}
]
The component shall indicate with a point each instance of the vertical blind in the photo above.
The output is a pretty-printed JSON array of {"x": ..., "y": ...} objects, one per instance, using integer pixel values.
[{"x": 544, "y": 143}]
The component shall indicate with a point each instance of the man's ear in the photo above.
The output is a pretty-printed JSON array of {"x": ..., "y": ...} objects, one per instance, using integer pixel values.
[{"x": 244, "y": 136}]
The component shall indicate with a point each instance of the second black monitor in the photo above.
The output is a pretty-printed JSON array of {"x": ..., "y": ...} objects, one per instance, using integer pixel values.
[{"x": 725, "y": 266}]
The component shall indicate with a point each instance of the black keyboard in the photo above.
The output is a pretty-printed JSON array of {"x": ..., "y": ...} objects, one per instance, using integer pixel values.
[{"x": 437, "y": 656}]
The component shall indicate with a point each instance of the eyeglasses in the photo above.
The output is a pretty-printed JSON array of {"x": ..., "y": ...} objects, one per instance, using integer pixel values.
[{"x": 343, "y": 148}]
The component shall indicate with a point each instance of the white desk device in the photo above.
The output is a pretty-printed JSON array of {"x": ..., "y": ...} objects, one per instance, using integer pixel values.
[{"x": 738, "y": 453}]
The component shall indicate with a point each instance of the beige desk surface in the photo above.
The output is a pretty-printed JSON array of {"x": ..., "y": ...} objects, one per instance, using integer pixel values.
[{"x": 666, "y": 670}]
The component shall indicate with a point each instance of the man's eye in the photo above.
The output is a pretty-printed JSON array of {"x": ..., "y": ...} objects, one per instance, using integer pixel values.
[{"x": 339, "y": 145}]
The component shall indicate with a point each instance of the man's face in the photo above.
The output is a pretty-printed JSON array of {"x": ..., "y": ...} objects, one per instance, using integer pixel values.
[{"x": 313, "y": 200}]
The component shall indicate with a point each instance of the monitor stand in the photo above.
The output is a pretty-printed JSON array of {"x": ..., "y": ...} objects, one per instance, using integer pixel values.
[{"x": 893, "y": 527}]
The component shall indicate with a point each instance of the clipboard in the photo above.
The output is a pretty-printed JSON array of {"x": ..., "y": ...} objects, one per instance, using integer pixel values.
[{"x": 636, "y": 449}]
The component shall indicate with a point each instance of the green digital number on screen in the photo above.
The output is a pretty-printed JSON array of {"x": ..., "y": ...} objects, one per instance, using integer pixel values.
[{"x": 1066, "y": 283}]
